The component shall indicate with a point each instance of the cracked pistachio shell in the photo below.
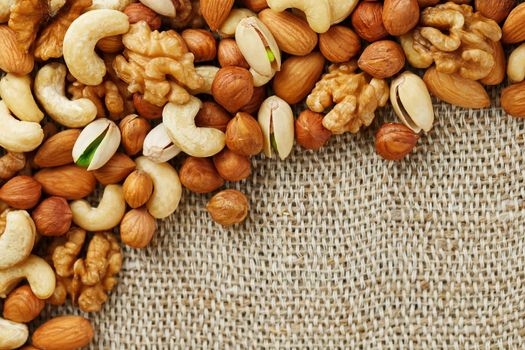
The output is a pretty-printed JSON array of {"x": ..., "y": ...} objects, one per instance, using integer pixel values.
[
  {"x": 251, "y": 35},
  {"x": 260, "y": 80},
  {"x": 276, "y": 117},
  {"x": 158, "y": 146},
  {"x": 105, "y": 149},
  {"x": 412, "y": 103},
  {"x": 227, "y": 29}
]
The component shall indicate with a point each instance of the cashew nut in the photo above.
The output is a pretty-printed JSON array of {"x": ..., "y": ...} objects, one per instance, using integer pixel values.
[
  {"x": 179, "y": 121},
  {"x": 81, "y": 38},
  {"x": 16, "y": 135},
  {"x": 38, "y": 273},
  {"x": 12, "y": 334},
  {"x": 50, "y": 91},
  {"x": 516, "y": 66},
  {"x": 208, "y": 73},
  {"x": 16, "y": 92},
  {"x": 227, "y": 29},
  {"x": 5, "y": 9},
  {"x": 18, "y": 238},
  {"x": 167, "y": 188},
  {"x": 118, "y": 5},
  {"x": 107, "y": 215}
]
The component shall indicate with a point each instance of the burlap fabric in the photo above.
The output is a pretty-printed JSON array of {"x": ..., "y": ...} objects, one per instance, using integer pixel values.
[{"x": 344, "y": 250}]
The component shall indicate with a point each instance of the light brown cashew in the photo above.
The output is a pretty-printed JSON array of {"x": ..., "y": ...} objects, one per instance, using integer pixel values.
[
  {"x": 16, "y": 92},
  {"x": 38, "y": 273},
  {"x": 16, "y": 135},
  {"x": 107, "y": 215},
  {"x": 81, "y": 38},
  {"x": 18, "y": 238},
  {"x": 12, "y": 334},
  {"x": 50, "y": 91},
  {"x": 118, "y": 5}
]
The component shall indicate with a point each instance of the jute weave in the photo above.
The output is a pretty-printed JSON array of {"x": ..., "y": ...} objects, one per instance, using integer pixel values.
[{"x": 344, "y": 250}]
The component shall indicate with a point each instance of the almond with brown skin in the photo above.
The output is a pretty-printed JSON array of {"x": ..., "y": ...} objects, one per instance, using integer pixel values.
[
  {"x": 68, "y": 181},
  {"x": 12, "y": 58},
  {"x": 63, "y": 333},
  {"x": 339, "y": 44},
  {"x": 513, "y": 100},
  {"x": 215, "y": 12},
  {"x": 496, "y": 10},
  {"x": 499, "y": 71},
  {"x": 21, "y": 192},
  {"x": 22, "y": 305},
  {"x": 115, "y": 170},
  {"x": 382, "y": 59},
  {"x": 199, "y": 175},
  {"x": 57, "y": 150},
  {"x": 52, "y": 217},
  {"x": 513, "y": 28},
  {"x": 395, "y": 141}
]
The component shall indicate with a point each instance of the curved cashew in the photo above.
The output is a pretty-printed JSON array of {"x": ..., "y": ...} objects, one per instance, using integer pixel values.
[
  {"x": 208, "y": 73},
  {"x": 81, "y": 38},
  {"x": 107, "y": 215},
  {"x": 18, "y": 238},
  {"x": 179, "y": 121},
  {"x": 341, "y": 9},
  {"x": 318, "y": 12},
  {"x": 167, "y": 188},
  {"x": 516, "y": 66},
  {"x": 417, "y": 59},
  {"x": 118, "y": 5},
  {"x": 50, "y": 91},
  {"x": 16, "y": 135},
  {"x": 12, "y": 334},
  {"x": 38, "y": 273},
  {"x": 16, "y": 92}
]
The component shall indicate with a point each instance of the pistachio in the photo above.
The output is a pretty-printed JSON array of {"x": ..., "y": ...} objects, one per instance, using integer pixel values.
[
  {"x": 258, "y": 46},
  {"x": 277, "y": 124},
  {"x": 411, "y": 102},
  {"x": 96, "y": 144},
  {"x": 158, "y": 146},
  {"x": 228, "y": 27}
]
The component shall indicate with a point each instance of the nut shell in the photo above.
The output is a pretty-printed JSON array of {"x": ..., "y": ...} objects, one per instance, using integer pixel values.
[
  {"x": 232, "y": 166},
  {"x": 228, "y": 207},
  {"x": 244, "y": 135},
  {"x": 52, "y": 216},
  {"x": 232, "y": 88},
  {"x": 137, "y": 228},
  {"x": 199, "y": 175},
  {"x": 394, "y": 141},
  {"x": 22, "y": 305},
  {"x": 137, "y": 188},
  {"x": 309, "y": 130}
]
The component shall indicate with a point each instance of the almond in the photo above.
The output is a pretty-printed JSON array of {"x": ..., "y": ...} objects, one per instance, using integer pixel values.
[
  {"x": 298, "y": 76},
  {"x": 339, "y": 44},
  {"x": 382, "y": 59},
  {"x": 292, "y": 33},
  {"x": 21, "y": 192},
  {"x": 115, "y": 170},
  {"x": 68, "y": 181},
  {"x": 12, "y": 58},
  {"x": 215, "y": 12},
  {"x": 57, "y": 150},
  {"x": 63, "y": 333},
  {"x": 400, "y": 16},
  {"x": 199, "y": 175},
  {"x": 456, "y": 90},
  {"x": 496, "y": 10},
  {"x": 498, "y": 72},
  {"x": 22, "y": 305},
  {"x": 513, "y": 28},
  {"x": 513, "y": 100}
]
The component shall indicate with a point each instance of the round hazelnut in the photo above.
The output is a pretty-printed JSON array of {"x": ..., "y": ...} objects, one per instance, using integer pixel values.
[
  {"x": 229, "y": 54},
  {"x": 146, "y": 109},
  {"x": 199, "y": 175},
  {"x": 228, "y": 207},
  {"x": 382, "y": 59},
  {"x": 244, "y": 135},
  {"x": 211, "y": 115},
  {"x": 201, "y": 44},
  {"x": 309, "y": 130},
  {"x": 138, "y": 12},
  {"x": 259, "y": 95},
  {"x": 133, "y": 130},
  {"x": 137, "y": 228},
  {"x": 232, "y": 88},
  {"x": 400, "y": 16},
  {"x": 394, "y": 141},
  {"x": 255, "y": 5},
  {"x": 232, "y": 166},
  {"x": 137, "y": 188},
  {"x": 367, "y": 21},
  {"x": 52, "y": 217}
]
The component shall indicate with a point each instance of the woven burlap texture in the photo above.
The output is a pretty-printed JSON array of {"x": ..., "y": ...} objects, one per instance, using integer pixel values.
[{"x": 344, "y": 250}]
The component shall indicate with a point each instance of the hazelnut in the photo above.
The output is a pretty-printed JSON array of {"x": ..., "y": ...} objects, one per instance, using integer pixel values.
[
  {"x": 146, "y": 109},
  {"x": 138, "y": 12},
  {"x": 22, "y": 305},
  {"x": 244, "y": 135},
  {"x": 199, "y": 175},
  {"x": 309, "y": 130},
  {"x": 394, "y": 141},
  {"x": 137, "y": 228},
  {"x": 232, "y": 166},
  {"x": 382, "y": 59},
  {"x": 228, "y": 207},
  {"x": 211, "y": 115},
  {"x": 258, "y": 97},
  {"x": 133, "y": 130},
  {"x": 400, "y": 16},
  {"x": 229, "y": 54},
  {"x": 232, "y": 88},
  {"x": 367, "y": 21},
  {"x": 52, "y": 216},
  {"x": 115, "y": 170},
  {"x": 111, "y": 44},
  {"x": 137, "y": 188},
  {"x": 339, "y": 44},
  {"x": 21, "y": 192},
  {"x": 201, "y": 44}
]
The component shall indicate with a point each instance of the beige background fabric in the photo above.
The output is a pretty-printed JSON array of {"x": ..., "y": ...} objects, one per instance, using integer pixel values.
[{"x": 344, "y": 250}]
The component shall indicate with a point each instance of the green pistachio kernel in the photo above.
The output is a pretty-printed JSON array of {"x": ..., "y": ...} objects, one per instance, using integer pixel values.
[
  {"x": 270, "y": 55},
  {"x": 85, "y": 159}
]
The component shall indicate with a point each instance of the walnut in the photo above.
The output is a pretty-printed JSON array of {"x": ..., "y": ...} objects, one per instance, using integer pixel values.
[
  {"x": 356, "y": 96},
  {"x": 49, "y": 43},
  {"x": 157, "y": 65},
  {"x": 3, "y": 220},
  {"x": 457, "y": 39},
  {"x": 10, "y": 164},
  {"x": 25, "y": 20},
  {"x": 65, "y": 253},
  {"x": 108, "y": 91}
]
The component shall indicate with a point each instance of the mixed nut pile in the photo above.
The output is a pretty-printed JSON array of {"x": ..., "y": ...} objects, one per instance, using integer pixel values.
[{"x": 104, "y": 93}]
